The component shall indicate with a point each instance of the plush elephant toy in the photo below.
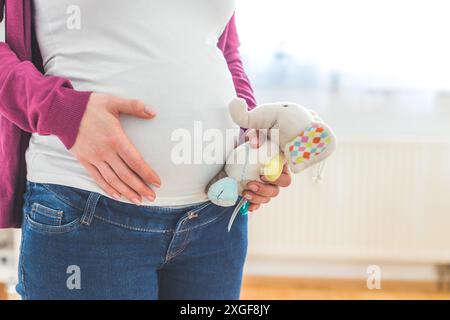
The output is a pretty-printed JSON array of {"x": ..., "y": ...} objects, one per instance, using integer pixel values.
[{"x": 293, "y": 134}]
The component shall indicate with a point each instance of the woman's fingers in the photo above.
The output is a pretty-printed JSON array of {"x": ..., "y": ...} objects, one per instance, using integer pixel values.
[
  {"x": 263, "y": 189},
  {"x": 255, "y": 198},
  {"x": 262, "y": 192},
  {"x": 130, "y": 177},
  {"x": 253, "y": 207},
  {"x": 97, "y": 176},
  {"x": 128, "y": 152},
  {"x": 102, "y": 138},
  {"x": 113, "y": 180}
]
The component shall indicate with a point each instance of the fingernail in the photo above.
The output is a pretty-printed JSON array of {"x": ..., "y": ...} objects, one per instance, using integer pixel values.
[
  {"x": 136, "y": 201},
  {"x": 149, "y": 111},
  {"x": 157, "y": 184},
  {"x": 248, "y": 197},
  {"x": 150, "y": 198},
  {"x": 116, "y": 196},
  {"x": 253, "y": 187}
]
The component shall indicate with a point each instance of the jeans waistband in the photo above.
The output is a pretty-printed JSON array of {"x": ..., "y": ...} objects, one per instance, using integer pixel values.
[
  {"x": 77, "y": 198},
  {"x": 130, "y": 216}
]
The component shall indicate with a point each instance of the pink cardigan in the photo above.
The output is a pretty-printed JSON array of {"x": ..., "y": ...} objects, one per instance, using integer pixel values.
[{"x": 31, "y": 102}]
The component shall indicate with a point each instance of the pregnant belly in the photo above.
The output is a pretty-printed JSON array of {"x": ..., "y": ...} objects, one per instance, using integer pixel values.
[
  {"x": 190, "y": 106},
  {"x": 178, "y": 150}
]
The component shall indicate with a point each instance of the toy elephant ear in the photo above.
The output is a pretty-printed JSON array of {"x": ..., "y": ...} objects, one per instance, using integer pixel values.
[
  {"x": 311, "y": 146},
  {"x": 239, "y": 112}
]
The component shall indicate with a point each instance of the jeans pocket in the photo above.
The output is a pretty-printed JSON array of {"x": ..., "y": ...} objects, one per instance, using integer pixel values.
[
  {"x": 44, "y": 211},
  {"x": 45, "y": 215}
]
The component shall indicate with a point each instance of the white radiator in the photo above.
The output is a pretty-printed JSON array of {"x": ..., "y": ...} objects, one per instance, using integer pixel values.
[{"x": 381, "y": 199}]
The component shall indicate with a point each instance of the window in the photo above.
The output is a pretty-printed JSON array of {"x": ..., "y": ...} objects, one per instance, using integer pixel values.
[{"x": 359, "y": 44}]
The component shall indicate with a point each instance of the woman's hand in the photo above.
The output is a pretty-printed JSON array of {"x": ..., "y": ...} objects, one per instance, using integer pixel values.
[
  {"x": 103, "y": 148},
  {"x": 262, "y": 192}
]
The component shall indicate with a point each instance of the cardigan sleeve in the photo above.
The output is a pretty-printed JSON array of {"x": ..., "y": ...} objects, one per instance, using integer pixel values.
[
  {"x": 37, "y": 103},
  {"x": 229, "y": 44}
]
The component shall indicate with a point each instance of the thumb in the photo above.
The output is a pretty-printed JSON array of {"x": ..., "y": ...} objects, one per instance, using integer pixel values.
[{"x": 135, "y": 108}]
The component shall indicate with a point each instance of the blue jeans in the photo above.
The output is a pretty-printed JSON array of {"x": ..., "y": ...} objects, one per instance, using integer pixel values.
[{"x": 78, "y": 244}]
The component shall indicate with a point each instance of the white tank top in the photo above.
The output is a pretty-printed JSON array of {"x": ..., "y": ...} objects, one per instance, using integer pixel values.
[{"x": 163, "y": 52}]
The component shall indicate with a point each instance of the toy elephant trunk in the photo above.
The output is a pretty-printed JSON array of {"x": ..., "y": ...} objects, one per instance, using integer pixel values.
[
  {"x": 287, "y": 118},
  {"x": 295, "y": 135}
]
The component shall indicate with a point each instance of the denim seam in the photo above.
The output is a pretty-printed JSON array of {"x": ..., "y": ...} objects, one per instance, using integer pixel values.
[
  {"x": 170, "y": 210},
  {"x": 35, "y": 208},
  {"x": 131, "y": 228},
  {"x": 22, "y": 272},
  {"x": 169, "y": 257},
  {"x": 203, "y": 206},
  {"x": 59, "y": 218},
  {"x": 89, "y": 208},
  {"x": 22, "y": 238},
  {"x": 193, "y": 212},
  {"x": 62, "y": 198},
  {"x": 216, "y": 219},
  {"x": 35, "y": 211},
  {"x": 36, "y": 226},
  {"x": 148, "y": 230}
]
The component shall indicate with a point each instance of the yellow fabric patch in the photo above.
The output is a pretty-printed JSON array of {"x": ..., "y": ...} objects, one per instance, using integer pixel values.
[{"x": 273, "y": 169}]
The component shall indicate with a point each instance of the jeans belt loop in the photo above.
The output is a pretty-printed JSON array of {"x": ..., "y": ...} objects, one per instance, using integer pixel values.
[{"x": 89, "y": 209}]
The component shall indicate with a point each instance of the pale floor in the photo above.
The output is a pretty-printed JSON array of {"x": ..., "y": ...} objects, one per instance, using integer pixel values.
[{"x": 278, "y": 288}]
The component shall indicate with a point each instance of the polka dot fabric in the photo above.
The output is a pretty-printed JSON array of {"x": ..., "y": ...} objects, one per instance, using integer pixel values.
[{"x": 309, "y": 144}]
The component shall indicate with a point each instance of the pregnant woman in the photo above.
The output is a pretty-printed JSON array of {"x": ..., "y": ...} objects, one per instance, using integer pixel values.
[{"x": 91, "y": 93}]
